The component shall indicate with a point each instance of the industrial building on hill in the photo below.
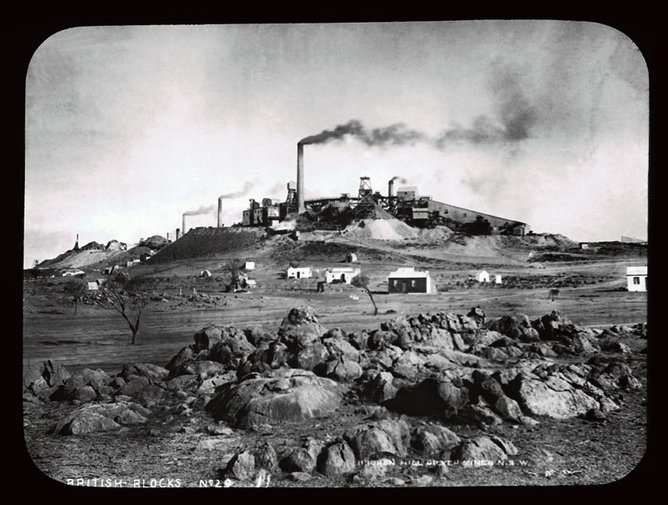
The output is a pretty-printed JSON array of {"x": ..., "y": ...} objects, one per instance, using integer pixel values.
[
  {"x": 415, "y": 210},
  {"x": 406, "y": 205}
]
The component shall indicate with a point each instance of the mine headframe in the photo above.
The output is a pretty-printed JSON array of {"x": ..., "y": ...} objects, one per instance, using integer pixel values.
[{"x": 365, "y": 187}]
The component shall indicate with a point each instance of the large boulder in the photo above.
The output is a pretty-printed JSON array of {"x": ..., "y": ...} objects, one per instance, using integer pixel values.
[
  {"x": 433, "y": 439},
  {"x": 483, "y": 450},
  {"x": 207, "y": 337},
  {"x": 298, "y": 460},
  {"x": 338, "y": 346},
  {"x": 268, "y": 355},
  {"x": 101, "y": 417},
  {"x": 516, "y": 327},
  {"x": 309, "y": 356},
  {"x": 266, "y": 457},
  {"x": 286, "y": 395},
  {"x": 379, "y": 438},
  {"x": 380, "y": 388},
  {"x": 340, "y": 370},
  {"x": 180, "y": 360},
  {"x": 300, "y": 328},
  {"x": 148, "y": 370},
  {"x": 431, "y": 397},
  {"x": 336, "y": 459},
  {"x": 44, "y": 378},
  {"x": 231, "y": 349},
  {"x": 241, "y": 466},
  {"x": 552, "y": 397}
]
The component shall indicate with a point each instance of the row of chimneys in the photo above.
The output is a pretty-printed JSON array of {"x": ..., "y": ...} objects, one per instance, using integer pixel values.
[
  {"x": 300, "y": 192},
  {"x": 219, "y": 223}
]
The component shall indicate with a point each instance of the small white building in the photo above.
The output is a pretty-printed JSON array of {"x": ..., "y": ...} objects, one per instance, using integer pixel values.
[
  {"x": 636, "y": 278},
  {"x": 249, "y": 265},
  {"x": 482, "y": 276},
  {"x": 497, "y": 279},
  {"x": 93, "y": 285},
  {"x": 351, "y": 258},
  {"x": 71, "y": 273},
  {"x": 409, "y": 280},
  {"x": 341, "y": 275},
  {"x": 299, "y": 273}
]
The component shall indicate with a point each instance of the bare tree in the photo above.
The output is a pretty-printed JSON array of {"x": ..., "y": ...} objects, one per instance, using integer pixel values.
[
  {"x": 362, "y": 281},
  {"x": 77, "y": 289},
  {"x": 122, "y": 295}
]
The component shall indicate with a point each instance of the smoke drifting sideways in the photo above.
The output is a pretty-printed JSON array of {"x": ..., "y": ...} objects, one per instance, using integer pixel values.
[
  {"x": 208, "y": 209},
  {"x": 514, "y": 118},
  {"x": 396, "y": 134},
  {"x": 202, "y": 210},
  {"x": 247, "y": 187}
]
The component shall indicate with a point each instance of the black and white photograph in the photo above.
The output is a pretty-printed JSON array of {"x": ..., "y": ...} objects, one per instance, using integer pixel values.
[{"x": 384, "y": 254}]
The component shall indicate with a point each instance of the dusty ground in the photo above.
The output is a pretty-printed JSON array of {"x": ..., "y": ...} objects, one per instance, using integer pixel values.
[{"x": 556, "y": 453}]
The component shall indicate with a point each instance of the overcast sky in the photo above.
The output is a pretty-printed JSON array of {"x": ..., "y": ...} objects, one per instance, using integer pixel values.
[{"x": 128, "y": 127}]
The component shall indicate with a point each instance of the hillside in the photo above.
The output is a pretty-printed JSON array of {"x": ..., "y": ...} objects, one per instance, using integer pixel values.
[{"x": 200, "y": 242}]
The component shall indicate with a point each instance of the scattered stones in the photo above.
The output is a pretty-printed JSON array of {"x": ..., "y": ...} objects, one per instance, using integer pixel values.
[{"x": 219, "y": 429}]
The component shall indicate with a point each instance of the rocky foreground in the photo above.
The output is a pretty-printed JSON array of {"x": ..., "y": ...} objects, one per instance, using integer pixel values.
[{"x": 417, "y": 384}]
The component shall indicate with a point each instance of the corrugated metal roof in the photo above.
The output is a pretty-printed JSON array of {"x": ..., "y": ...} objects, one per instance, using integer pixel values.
[
  {"x": 410, "y": 272},
  {"x": 636, "y": 270}
]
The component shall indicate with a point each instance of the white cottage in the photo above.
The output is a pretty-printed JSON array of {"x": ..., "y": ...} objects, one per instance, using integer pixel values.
[
  {"x": 299, "y": 273},
  {"x": 636, "y": 278},
  {"x": 409, "y": 280},
  {"x": 482, "y": 276},
  {"x": 341, "y": 274}
]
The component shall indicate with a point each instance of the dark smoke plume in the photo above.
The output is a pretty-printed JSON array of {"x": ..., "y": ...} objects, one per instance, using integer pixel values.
[
  {"x": 400, "y": 179},
  {"x": 247, "y": 187},
  {"x": 201, "y": 210},
  {"x": 514, "y": 117},
  {"x": 515, "y": 113},
  {"x": 396, "y": 134}
]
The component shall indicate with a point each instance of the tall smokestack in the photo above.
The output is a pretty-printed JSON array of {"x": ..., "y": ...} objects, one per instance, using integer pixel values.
[
  {"x": 167, "y": 236},
  {"x": 300, "y": 179},
  {"x": 183, "y": 223},
  {"x": 220, "y": 212},
  {"x": 177, "y": 234},
  {"x": 390, "y": 189}
]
